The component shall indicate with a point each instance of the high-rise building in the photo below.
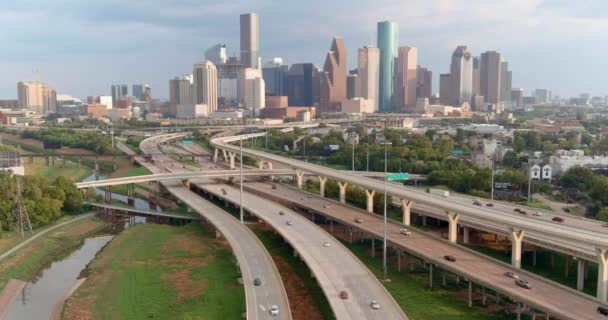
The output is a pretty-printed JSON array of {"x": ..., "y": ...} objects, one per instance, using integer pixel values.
[
  {"x": 405, "y": 79},
  {"x": 180, "y": 92},
  {"x": 476, "y": 76},
  {"x": 517, "y": 96},
  {"x": 424, "y": 80},
  {"x": 204, "y": 86},
  {"x": 138, "y": 91},
  {"x": 274, "y": 73},
  {"x": 369, "y": 73},
  {"x": 353, "y": 85},
  {"x": 37, "y": 96},
  {"x": 490, "y": 76},
  {"x": 461, "y": 79},
  {"x": 303, "y": 85},
  {"x": 250, "y": 40},
  {"x": 252, "y": 91},
  {"x": 445, "y": 88},
  {"x": 119, "y": 91},
  {"x": 228, "y": 75},
  {"x": 217, "y": 54},
  {"x": 542, "y": 96},
  {"x": 505, "y": 82},
  {"x": 388, "y": 42},
  {"x": 333, "y": 84}
]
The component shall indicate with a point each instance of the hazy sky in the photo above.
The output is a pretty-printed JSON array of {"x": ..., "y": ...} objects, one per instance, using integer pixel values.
[{"x": 80, "y": 47}]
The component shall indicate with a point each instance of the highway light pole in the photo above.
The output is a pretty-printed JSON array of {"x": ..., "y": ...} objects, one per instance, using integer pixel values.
[
  {"x": 241, "y": 183},
  {"x": 266, "y": 138},
  {"x": 384, "y": 267},
  {"x": 352, "y": 136},
  {"x": 368, "y": 152}
]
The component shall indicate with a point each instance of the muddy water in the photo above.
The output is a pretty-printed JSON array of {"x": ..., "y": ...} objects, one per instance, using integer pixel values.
[{"x": 39, "y": 297}]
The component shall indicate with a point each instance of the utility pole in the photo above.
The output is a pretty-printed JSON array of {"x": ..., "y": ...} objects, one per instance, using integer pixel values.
[
  {"x": 529, "y": 182},
  {"x": 368, "y": 152},
  {"x": 266, "y": 138},
  {"x": 20, "y": 216},
  {"x": 493, "y": 169},
  {"x": 384, "y": 264},
  {"x": 352, "y": 136},
  {"x": 241, "y": 183}
]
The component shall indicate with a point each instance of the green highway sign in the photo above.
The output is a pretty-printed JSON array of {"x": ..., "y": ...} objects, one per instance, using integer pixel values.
[
  {"x": 397, "y": 176},
  {"x": 187, "y": 142}
]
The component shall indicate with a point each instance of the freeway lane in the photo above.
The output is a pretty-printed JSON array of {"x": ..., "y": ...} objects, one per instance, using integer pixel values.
[
  {"x": 545, "y": 295},
  {"x": 253, "y": 259},
  {"x": 335, "y": 267}
]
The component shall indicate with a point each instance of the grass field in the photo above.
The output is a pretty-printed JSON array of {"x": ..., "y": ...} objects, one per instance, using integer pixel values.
[
  {"x": 535, "y": 204},
  {"x": 160, "y": 272},
  {"x": 129, "y": 171},
  {"x": 28, "y": 262},
  {"x": 69, "y": 170}
]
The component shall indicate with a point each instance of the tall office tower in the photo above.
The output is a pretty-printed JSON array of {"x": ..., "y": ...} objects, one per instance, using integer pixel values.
[
  {"x": 138, "y": 91},
  {"x": 424, "y": 83},
  {"x": 180, "y": 92},
  {"x": 369, "y": 73},
  {"x": 490, "y": 76},
  {"x": 405, "y": 79},
  {"x": 388, "y": 42},
  {"x": 252, "y": 91},
  {"x": 302, "y": 85},
  {"x": 119, "y": 91},
  {"x": 204, "y": 86},
  {"x": 274, "y": 73},
  {"x": 228, "y": 75},
  {"x": 505, "y": 82},
  {"x": 36, "y": 96},
  {"x": 461, "y": 70},
  {"x": 217, "y": 54},
  {"x": 353, "y": 85},
  {"x": 250, "y": 40},
  {"x": 445, "y": 88},
  {"x": 476, "y": 76},
  {"x": 542, "y": 96},
  {"x": 333, "y": 83},
  {"x": 517, "y": 96}
]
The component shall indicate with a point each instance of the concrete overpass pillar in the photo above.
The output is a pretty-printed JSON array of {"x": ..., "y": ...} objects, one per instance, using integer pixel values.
[
  {"x": 215, "y": 155},
  {"x": 406, "y": 208},
  {"x": 300, "y": 177},
  {"x": 108, "y": 194},
  {"x": 465, "y": 235},
  {"x": 187, "y": 183},
  {"x": 370, "y": 200},
  {"x": 225, "y": 155},
  {"x": 453, "y": 228},
  {"x": 232, "y": 155},
  {"x": 517, "y": 237},
  {"x": 424, "y": 220},
  {"x": 602, "y": 275},
  {"x": 342, "y": 186},
  {"x": 269, "y": 165},
  {"x": 322, "y": 181},
  {"x": 261, "y": 164},
  {"x": 580, "y": 275},
  {"x": 131, "y": 194}
]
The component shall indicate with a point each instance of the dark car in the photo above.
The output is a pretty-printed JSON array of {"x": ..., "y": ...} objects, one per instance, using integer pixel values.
[
  {"x": 489, "y": 204},
  {"x": 558, "y": 219},
  {"x": 450, "y": 258},
  {"x": 477, "y": 203},
  {"x": 257, "y": 282},
  {"x": 523, "y": 283},
  {"x": 343, "y": 295},
  {"x": 274, "y": 186},
  {"x": 602, "y": 310}
]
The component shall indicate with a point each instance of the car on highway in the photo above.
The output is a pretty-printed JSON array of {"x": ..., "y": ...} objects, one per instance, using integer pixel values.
[
  {"x": 289, "y": 223},
  {"x": 489, "y": 204},
  {"x": 358, "y": 220},
  {"x": 343, "y": 295},
  {"x": 274, "y": 186},
  {"x": 477, "y": 203},
  {"x": 566, "y": 210},
  {"x": 326, "y": 244},
  {"x": 558, "y": 219},
  {"x": 374, "y": 304},
  {"x": 224, "y": 191},
  {"x": 511, "y": 275},
  {"x": 274, "y": 310},
  {"x": 405, "y": 232},
  {"x": 537, "y": 214},
  {"x": 523, "y": 283},
  {"x": 326, "y": 206},
  {"x": 602, "y": 310},
  {"x": 257, "y": 282},
  {"x": 449, "y": 258},
  {"x": 281, "y": 213}
]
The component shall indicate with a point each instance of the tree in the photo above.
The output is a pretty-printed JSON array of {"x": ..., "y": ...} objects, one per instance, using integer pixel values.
[
  {"x": 519, "y": 144},
  {"x": 509, "y": 158}
]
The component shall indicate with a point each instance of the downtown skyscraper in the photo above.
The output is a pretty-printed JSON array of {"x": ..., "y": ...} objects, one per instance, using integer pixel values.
[
  {"x": 461, "y": 76},
  {"x": 368, "y": 64},
  {"x": 388, "y": 43},
  {"x": 204, "y": 87},
  {"x": 250, "y": 40},
  {"x": 333, "y": 81},
  {"x": 405, "y": 79},
  {"x": 490, "y": 75}
]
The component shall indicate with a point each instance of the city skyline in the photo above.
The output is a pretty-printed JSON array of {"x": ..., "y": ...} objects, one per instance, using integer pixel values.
[{"x": 180, "y": 35}]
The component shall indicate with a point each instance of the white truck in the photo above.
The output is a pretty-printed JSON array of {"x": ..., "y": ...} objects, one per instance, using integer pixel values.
[{"x": 439, "y": 192}]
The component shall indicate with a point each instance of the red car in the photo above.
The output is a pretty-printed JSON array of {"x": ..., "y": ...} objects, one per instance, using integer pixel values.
[
  {"x": 558, "y": 219},
  {"x": 343, "y": 295}
]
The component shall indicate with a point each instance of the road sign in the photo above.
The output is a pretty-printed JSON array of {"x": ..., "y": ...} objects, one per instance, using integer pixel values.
[
  {"x": 187, "y": 142},
  {"x": 397, "y": 176}
]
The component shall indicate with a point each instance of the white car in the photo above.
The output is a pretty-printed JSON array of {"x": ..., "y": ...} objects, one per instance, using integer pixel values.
[
  {"x": 326, "y": 206},
  {"x": 274, "y": 310},
  {"x": 537, "y": 214},
  {"x": 374, "y": 305},
  {"x": 405, "y": 232},
  {"x": 326, "y": 244}
]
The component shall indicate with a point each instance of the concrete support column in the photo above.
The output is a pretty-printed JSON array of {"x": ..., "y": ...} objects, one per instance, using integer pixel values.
[
  {"x": 424, "y": 221},
  {"x": 517, "y": 237},
  {"x": 465, "y": 235},
  {"x": 322, "y": 181},
  {"x": 331, "y": 226},
  {"x": 370, "y": 200},
  {"x": 225, "y": 155},
  {"x": 373, "y": 248},
  {"x": 406, "y": 208},
  {"x": 300, "y": 177},
  {"x": 399, "y": 260},
  {"x": 431, "y": 275},
  {"x": 232, "y": 156},
  {"x": 470, "y": 294},
  {"x": 108, "y": 194},
  {"x": 187, "y": 184},
  {"x": 453, "y": 229},
  {"x": 580, "y": 275},
  {"x": 218, "y": 234},
  {"x": 602, "y": 275},
  {"x": 269, "y": 165},
  {"x": 261, "y": 164},
  {"x": 342, "y": 186},
  {"x": 131, "y": 194}
]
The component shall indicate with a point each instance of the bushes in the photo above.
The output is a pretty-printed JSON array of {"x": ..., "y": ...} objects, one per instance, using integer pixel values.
[{"x": 98, "y": 143}]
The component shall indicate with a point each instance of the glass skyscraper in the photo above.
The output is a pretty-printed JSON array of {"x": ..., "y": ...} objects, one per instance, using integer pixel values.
[{"x": 388, "y": 43}]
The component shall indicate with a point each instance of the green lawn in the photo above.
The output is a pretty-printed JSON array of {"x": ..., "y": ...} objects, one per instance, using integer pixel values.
[
  {"x": 162, "y": 272},
  {"x": 131, "y": 172},
  {"x": 535, "y": 204}
]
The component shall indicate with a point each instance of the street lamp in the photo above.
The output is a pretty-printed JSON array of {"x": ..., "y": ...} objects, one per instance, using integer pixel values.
[
  {"x": 384, "y": 266},
  {"x": 241, "y": 183},
  {"x": 368, "y": 152}
]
